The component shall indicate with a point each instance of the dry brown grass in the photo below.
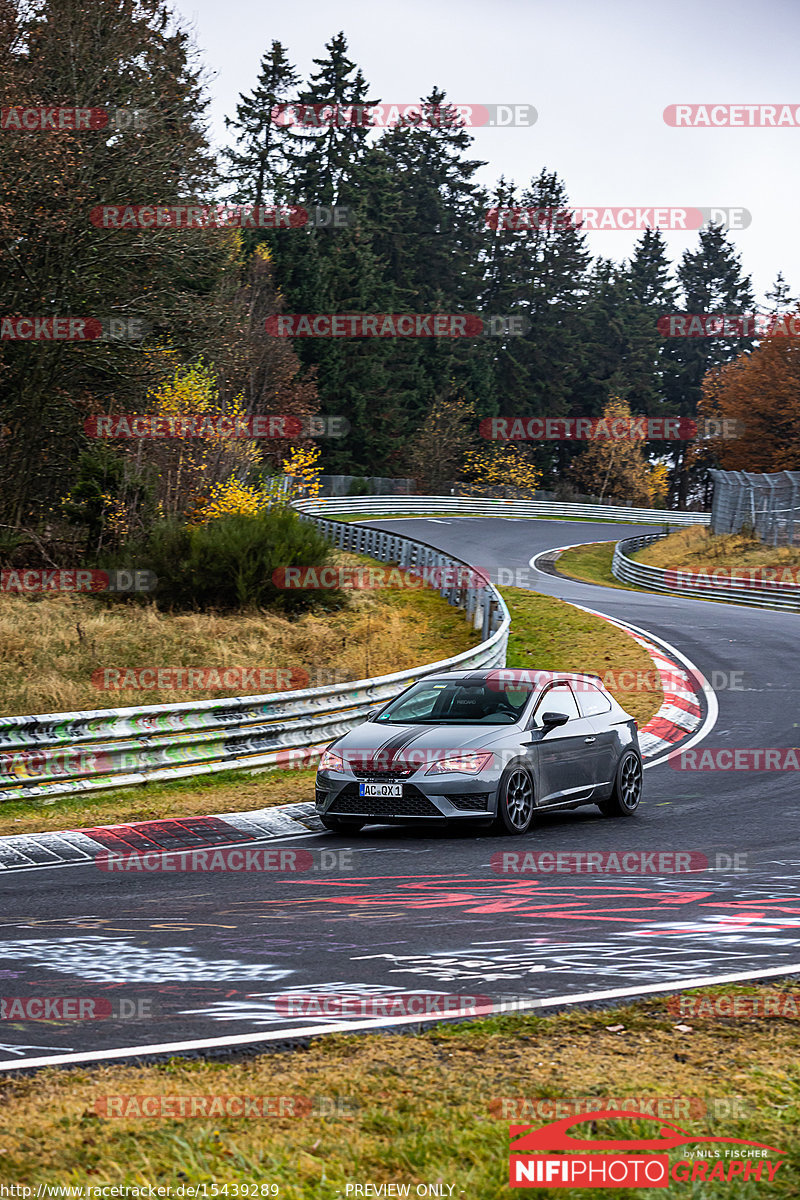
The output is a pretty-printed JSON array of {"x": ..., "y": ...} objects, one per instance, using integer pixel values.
[
  {"x": 407, "y": 1109},
  {"x": 51, "y": 645},
  {"x": 698, "y": 547}
]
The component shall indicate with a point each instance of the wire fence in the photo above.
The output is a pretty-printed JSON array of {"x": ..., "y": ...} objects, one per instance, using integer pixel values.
[{"x": 767, "y": 504}]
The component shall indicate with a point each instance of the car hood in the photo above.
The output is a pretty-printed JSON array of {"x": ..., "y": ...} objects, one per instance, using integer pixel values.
[{"x": 393, "y": 740}]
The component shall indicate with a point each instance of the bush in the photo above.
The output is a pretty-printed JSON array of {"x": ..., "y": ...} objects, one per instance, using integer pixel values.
[
  {"x": 227, "y": 564},
  {"x": 360, "y": 487}
]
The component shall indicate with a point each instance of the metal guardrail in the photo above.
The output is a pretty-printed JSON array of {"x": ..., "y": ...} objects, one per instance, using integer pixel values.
[
  {"x": 62, "y": 753},
  {"x": 376, "y": 505},
  {"x": 682, "y": 583}
]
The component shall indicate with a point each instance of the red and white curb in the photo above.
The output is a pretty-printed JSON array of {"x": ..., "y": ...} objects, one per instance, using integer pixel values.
[
  {"x": 680, "y": 720},
  {"x": 681, "y": 712},
  {"x": 80, "y": 846}
]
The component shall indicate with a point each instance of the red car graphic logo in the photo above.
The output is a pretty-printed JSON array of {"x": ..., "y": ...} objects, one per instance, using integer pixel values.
[{"x": 555, "y": 1136}]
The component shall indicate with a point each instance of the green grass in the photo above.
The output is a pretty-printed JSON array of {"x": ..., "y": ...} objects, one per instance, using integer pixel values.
[
  {"x": 550, "y": 635},
  {"x": 686, "y": 549},
  {"x": 444, "y": 514},
  {"x": 697, "y": 548},
  {"x": 592, "y": 564},
  {"x": 546, "y": 634},
  {"x": 55, "y": 648},
  {"x": 201, "y": 795},
  {"x": 413, "y": 1109}
]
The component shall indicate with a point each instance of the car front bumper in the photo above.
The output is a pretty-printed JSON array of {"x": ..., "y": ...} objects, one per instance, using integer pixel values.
[{"x": 447, "y": 798}]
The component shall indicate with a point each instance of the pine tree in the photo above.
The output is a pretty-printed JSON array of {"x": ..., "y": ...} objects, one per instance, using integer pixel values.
[
  {"x": 323, "y": 160},
  {"x": 779, "y": 298},
  {"x": 649, "y": 294},
  {"x": 711, "y": 282},
  {"x": 258, "y": 170},
  {"x": 54, "y": 262},
  {"x": 541, "y": 272}
]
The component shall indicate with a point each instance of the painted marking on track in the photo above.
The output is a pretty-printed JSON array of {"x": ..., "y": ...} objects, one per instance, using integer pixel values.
[{"x": 283, "y": 1035}]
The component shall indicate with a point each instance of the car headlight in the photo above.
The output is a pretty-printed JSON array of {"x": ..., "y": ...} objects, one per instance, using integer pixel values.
[
  {"x": 331, "y": 762},
  {"x": 465, "y": 764}
]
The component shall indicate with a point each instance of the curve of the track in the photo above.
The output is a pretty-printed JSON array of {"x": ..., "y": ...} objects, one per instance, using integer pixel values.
[{"x": 190, "y": 960}]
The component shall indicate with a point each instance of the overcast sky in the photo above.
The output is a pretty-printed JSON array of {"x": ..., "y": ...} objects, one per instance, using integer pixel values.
[{"x": 599, "y": 75}]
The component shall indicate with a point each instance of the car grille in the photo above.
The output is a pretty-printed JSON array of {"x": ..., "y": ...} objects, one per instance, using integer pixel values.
[
  {"x": 381, "y": 775},
  {"x": 321, "y": 795},
  {"x": 470, "y": 802},
  {"x": 414, "y": 804}
]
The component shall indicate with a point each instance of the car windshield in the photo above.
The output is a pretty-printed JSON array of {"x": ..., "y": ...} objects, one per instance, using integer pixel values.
[{"x": 453, "y": 702}]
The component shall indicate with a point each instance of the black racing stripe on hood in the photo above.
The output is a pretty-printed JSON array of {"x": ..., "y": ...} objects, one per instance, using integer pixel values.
[{"x": 397, "y": 742}]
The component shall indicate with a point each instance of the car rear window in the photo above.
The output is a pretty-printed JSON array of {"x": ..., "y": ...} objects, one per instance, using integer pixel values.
[{"x": 592, "y": 700}]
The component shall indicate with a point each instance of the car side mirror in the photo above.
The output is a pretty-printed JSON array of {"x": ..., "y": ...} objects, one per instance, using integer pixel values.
[{"x": 551, "y": 720}]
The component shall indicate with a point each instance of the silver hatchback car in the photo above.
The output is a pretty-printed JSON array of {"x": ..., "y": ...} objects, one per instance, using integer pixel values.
[{"x": 492, "y": 745}]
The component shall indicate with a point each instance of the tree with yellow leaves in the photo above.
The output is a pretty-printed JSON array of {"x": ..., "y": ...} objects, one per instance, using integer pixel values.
[
  {"x": 303, "y": 471},
  {"x": 616, "y": 468},
  {"x": 501, "y": 467},
  {"x": 189, "y": 468}
]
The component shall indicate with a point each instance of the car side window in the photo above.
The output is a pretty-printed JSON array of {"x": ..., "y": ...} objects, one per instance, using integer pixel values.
[
  {"x": 593, "y": 702},
  {"x": 558, "y": 698}
]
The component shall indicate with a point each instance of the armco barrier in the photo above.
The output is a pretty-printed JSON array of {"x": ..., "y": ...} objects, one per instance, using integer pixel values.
[
  {"x": 629, "y": 570},
  {"x": 60, "y": 753},
  {"x": 375, "y": 505}
]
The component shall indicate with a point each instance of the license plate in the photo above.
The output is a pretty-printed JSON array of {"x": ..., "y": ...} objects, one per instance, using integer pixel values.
[{"x": 380, "y": 789}]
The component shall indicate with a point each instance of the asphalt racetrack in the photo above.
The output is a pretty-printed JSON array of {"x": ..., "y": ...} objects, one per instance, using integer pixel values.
[{"x": 209, "y": 962}]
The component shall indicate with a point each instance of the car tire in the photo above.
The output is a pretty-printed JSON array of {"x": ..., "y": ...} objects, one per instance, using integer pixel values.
[
  {"x": 341, "y": 825},
  {"x": 516, "y": 804},
  {"x": 627, "y": 792}
]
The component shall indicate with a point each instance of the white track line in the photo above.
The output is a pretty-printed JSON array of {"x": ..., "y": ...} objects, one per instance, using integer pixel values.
[
  {"x": 382, "y": 1023},
  {"x": 282, "y": 1035},
  {"x": 712, "y": 715}
]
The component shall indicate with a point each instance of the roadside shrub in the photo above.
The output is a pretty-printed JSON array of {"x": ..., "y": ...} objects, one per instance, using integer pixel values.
[{"x": 226, "y": 565}]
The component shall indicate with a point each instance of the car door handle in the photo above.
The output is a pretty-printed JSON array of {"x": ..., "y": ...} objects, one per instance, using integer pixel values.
[{"x": 589, "y": 740}]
